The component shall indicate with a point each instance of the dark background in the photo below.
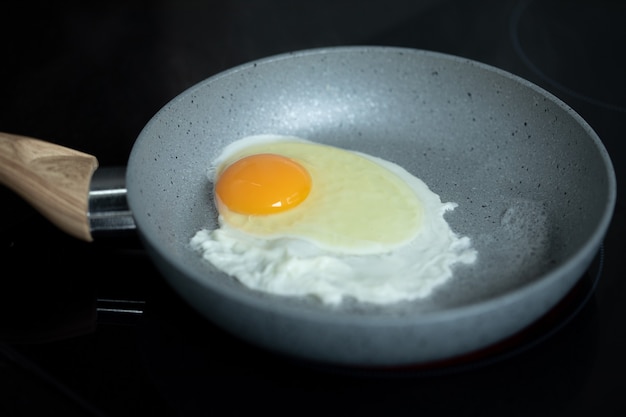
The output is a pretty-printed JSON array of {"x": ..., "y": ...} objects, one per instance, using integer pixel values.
[{"x": 92, "y": 329}]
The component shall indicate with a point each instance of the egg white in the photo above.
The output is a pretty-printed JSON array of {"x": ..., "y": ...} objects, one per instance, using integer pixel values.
[
  {"x": 297, "y": 266},
  {"x": 354, "y": 206}
]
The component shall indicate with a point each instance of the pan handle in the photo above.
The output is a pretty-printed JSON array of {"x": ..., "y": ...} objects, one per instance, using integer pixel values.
[{"x": 53, "y": 179}]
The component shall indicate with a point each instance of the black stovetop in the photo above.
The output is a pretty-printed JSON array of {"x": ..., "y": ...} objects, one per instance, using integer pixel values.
[{"x": 92, "y": 329}]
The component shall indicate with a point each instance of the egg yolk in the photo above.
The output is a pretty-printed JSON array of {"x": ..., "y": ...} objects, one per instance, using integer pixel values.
[{"x": 262, "y": 184}]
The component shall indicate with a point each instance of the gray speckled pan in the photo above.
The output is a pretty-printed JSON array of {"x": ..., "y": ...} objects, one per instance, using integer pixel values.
[{"x": 534, "y": 184}]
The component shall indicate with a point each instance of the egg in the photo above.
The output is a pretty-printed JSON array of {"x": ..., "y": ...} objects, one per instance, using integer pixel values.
[{"x": 298, "y": 218}]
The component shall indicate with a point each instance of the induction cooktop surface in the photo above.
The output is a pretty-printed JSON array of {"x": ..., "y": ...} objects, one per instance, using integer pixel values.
[{"x": 93, "y": 329}]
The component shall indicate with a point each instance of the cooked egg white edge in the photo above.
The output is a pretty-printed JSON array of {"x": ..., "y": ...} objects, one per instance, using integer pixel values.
[{"x": 296, "y": 267}]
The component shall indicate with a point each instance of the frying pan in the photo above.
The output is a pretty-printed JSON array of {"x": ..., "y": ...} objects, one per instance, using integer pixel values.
[{"x": 534, "y": 185}]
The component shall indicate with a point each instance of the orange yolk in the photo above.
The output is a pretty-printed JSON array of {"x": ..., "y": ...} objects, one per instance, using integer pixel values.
[{"x": 262, "y": 184}]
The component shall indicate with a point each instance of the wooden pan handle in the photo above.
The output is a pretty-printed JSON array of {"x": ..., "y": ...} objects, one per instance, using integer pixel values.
[{"x": 53, "y": 179}]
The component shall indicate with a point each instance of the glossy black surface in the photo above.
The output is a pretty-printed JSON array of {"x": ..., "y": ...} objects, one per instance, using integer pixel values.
[{"x": 92, "y": 329}]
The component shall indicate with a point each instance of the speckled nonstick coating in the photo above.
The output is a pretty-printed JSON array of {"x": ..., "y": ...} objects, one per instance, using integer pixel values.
[{"x": 534, "y": 185}]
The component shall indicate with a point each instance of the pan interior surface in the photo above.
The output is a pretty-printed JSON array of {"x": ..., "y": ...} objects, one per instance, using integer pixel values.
[{"x": 534, "y": 186}]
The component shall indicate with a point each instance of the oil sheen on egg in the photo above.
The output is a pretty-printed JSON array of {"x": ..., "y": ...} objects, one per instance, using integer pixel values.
[{"x": 297, "y": 218}]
